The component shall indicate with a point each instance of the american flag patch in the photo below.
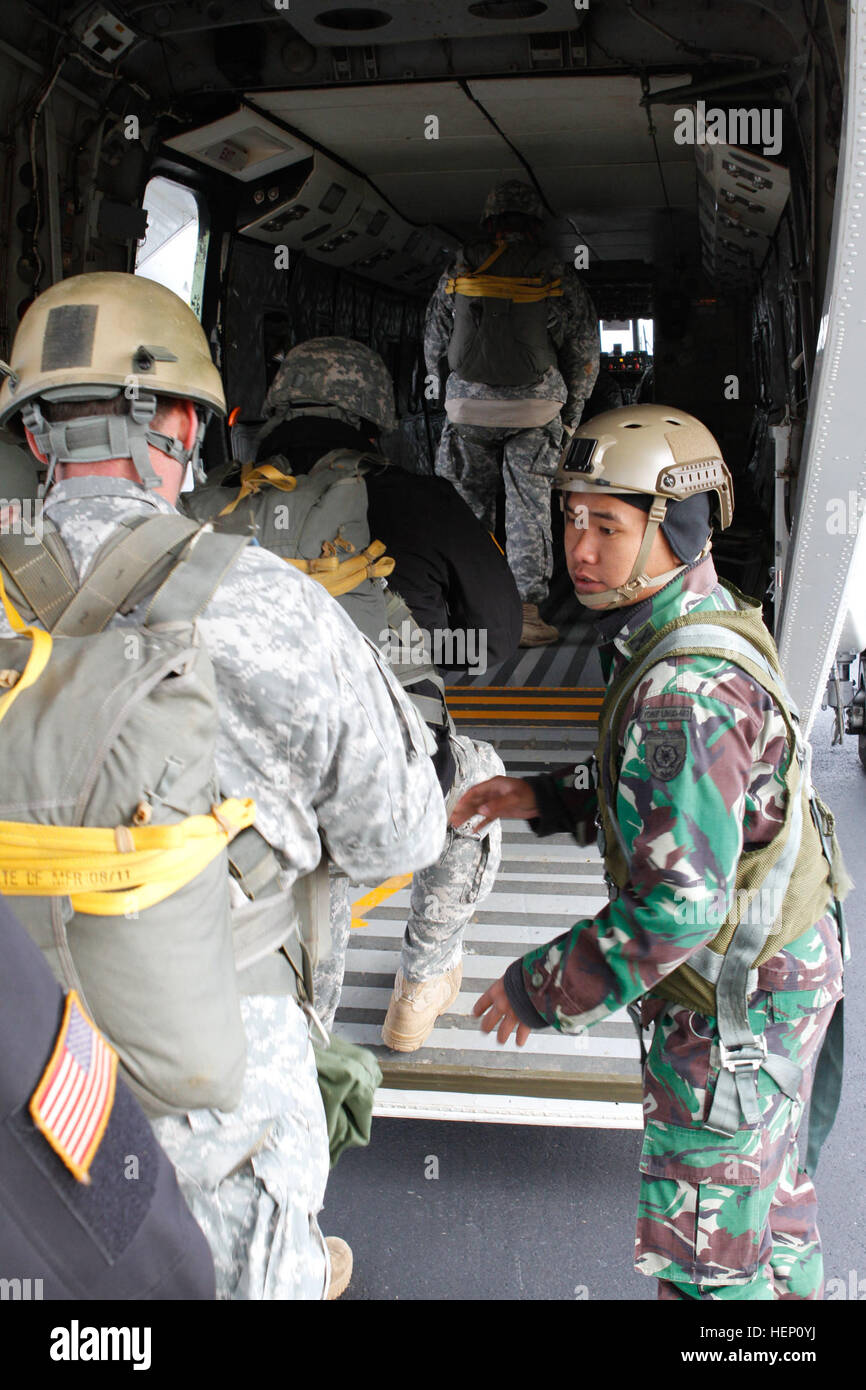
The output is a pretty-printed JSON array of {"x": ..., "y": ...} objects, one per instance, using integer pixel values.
[{"x": 72, "y": 1103}]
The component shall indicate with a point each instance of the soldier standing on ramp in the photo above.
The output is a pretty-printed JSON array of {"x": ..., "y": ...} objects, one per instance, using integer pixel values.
[
  {"x": 723, "y": 869},
  {"x": 521, "y": 336}
]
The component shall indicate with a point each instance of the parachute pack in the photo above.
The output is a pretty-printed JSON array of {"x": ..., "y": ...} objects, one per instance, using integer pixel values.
[
  {"x": 115, "y": 847},
  {"x": 317, "y": 521},
  {"x": 500, "y": 332}
]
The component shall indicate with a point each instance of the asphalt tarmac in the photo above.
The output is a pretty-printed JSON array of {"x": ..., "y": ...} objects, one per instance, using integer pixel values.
[{"x": 464, "y": 1211}]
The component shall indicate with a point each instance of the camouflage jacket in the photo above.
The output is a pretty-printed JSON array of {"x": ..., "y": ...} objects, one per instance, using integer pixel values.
[
  {"x": 573, "y": 327},
  {"x": 312, "y": 724},
  {"x": 680, "y": 849}
]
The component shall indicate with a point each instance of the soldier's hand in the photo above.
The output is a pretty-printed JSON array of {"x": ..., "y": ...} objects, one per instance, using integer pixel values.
[
  {"x": 509, "y": 798},
  {"x": 498, "y": 1013}
]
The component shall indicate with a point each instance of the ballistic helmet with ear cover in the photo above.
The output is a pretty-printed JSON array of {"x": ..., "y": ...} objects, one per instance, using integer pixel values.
[
  {"x": 333, "y": 377},
  {"x": 652, "y": 451},
  {"x": 94, "y": 337},
  {"x": 513, "y": 196}
]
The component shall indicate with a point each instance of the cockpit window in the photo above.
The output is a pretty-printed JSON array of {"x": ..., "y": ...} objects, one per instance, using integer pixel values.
[
  {"x": 619, "y": 336},
  {"x": 173, "y": 251}
]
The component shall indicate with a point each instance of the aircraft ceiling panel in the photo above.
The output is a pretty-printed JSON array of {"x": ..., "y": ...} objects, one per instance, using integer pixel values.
[
  {"x": 596, "y": 116},
  {"x": 586, "y": 139},
  {"x": 394, "y": 21},
  {"x": 370, "y": 126}
]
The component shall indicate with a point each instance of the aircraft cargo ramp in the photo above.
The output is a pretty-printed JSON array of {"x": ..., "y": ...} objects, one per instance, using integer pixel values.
[{"x": 536, "y": 716}]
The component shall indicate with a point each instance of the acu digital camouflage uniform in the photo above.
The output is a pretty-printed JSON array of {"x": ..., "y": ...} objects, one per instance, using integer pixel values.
[
  {"x": 348, "y": 381},
  {"x": 478, "y": 458},
  {"x": 315, "y": 729},
  {"x": 719, "y": 1217},
  {"x": 443, "y": 897}
]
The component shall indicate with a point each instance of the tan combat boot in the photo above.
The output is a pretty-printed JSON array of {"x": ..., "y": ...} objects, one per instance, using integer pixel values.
[
  {"x": 414, "y": 1008},
  {"x": 341, "y": 1267},
  {"x": 536, "y": 632}
]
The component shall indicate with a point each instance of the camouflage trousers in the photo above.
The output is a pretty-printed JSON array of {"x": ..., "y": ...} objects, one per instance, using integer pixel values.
[
  {"x": 254, "y": 1178},
  {"x": 443, "y": 897},
  {"x": 479, "y": 460},
  {"x": 729, "y": 1217}
]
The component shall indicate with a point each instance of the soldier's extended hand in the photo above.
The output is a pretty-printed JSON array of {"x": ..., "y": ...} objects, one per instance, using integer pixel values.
[
  {"x": 495, "y": 1006},
  {"x": 499, "y": 797}
]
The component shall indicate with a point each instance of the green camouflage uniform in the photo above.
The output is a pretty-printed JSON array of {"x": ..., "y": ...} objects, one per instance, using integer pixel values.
[{"x": 718, "y": 1217}]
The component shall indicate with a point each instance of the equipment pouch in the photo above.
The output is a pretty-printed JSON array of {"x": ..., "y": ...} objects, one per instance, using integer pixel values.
[{"x": 348, "y": 1078}]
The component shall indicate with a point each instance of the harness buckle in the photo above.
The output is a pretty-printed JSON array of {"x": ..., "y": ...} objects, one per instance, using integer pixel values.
[{"x": 744, "y": 1056}]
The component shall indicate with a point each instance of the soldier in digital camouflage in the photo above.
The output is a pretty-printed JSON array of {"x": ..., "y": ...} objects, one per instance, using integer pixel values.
[
  {"x": 311, "y": 725},
  {"x": 521, "y": 338},
  {"x": 702, "y": 796},
  {"x": 328, "y": 404}
]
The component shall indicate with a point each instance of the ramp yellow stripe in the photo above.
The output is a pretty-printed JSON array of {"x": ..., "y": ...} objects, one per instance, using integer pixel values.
[{"x": 538, "y": 705}]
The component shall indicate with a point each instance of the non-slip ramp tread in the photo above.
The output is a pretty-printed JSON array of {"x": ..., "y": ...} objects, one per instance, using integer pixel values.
[{"x": 543, "y": 887}]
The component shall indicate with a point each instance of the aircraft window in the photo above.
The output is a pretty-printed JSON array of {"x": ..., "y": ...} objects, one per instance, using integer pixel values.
[
  {"x": 616, "y": 336},
  {"x": 174, "y": 248},
  {"x": 619, "y": 336}
]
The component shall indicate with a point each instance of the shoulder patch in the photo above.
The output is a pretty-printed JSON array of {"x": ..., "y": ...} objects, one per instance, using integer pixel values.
[
  {"x": 72, "y": 1103},
  {"x": 665, "y": 752}
]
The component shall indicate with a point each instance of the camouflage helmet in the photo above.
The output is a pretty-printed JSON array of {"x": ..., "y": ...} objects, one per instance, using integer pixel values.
[
  {"x": 337, "y": 374},
  {"x": 513, "y": 196}
]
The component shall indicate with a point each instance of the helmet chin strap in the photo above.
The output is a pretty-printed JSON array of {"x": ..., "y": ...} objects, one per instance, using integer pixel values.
[
  {"x": 95, "y": 438},
  {"x": 637, "y": 580}
]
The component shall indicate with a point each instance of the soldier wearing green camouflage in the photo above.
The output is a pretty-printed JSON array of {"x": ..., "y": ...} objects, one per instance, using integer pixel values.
[
  {"x": 520, "y": 375},
  {"x": 695, "y": 771}
]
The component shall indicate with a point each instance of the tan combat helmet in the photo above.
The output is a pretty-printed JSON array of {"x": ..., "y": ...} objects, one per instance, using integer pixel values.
[
  {"x": 93, "y": 337},
  {"x": 655, "y": 450}
]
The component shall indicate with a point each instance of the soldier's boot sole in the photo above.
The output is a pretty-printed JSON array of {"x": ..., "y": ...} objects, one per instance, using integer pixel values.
[
  {"x": 341, "y": 1267},
  {"x": 398, "y": 1031}
]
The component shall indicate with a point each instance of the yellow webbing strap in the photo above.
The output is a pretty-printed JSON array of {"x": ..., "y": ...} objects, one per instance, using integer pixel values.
[
  {"x": 341, "y": 576},
  {"x": 523, "y": 289},
  {"x": 112, "y": 872},
  {"x": 39, "y": 654},
  {"x": 252, "y": 478},
  {"x": 377, "y": 896}
]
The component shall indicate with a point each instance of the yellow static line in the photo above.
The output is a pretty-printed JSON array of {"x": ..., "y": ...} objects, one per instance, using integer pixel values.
[{"x": 377, "y": 895}]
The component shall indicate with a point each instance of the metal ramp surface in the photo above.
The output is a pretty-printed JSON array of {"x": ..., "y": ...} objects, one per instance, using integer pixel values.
[{"x": 543, "y": 887}]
